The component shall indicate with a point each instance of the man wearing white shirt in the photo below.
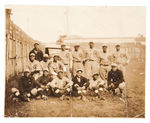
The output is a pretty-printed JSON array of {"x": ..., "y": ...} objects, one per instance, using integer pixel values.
[
  {"x": 77, "y": 55},
  {"x": 91, "y": 61},
  {"x": 105, "y": 62},
  {"x": 66, "y": 59},
  {"x": 34, "y": 66},
  {"x": 61, "y": 85},
  {"x": 121, "y": 58}
]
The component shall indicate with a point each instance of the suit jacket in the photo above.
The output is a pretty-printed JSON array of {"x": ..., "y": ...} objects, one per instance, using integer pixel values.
[
  {"x": 115, "y": 77},
  {"x": 38, "y": 55},
  {"x": 83, "y": 82},
  {"x": 26, "y": 84}
]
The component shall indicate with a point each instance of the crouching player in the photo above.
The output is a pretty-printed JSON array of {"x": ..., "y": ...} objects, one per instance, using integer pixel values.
[
  {"x": 115, "y": 79},
  {"x": 61, "y": 86},
  {"x": 43, "y": 89},
  {"x": 80, "y": 85},
  {"x": 25, "y": 87},
  {"x": 96, "y": 86}
]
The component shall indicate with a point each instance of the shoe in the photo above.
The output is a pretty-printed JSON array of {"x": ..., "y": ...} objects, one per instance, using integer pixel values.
[
  {"x": 44, "y": 97},
  {"x": 28, "y": 100},
  {"x": 62, "y": 97},
  {"x": 38, "y": 97},
  {"x": 67, "y": 98},
  {"x": 83, "y": 98},
  {"x": 102, "y": 98},
  {"x": 15, "y": 99},
  {"x": 79, "y": 97}
]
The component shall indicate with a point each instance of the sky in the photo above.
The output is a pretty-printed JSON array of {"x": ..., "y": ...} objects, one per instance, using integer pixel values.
[{"x": 46, "y": 23}]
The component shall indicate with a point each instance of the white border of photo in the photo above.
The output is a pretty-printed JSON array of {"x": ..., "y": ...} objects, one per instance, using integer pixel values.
[{"x": 76, "y": 3}]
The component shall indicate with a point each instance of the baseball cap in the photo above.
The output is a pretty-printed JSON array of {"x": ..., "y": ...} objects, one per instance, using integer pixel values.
[
  {"x": 104, "y": 45},
  {"x": 63, "y": 44},
  {"x": 79, "y": 70},
  {"x": 114, "y": 64},
  {"x": 91, "y": 42},
  {"x": 26, "y": 70},
  {"x": 95, "y": 74},
  {"x": 117, "y": 45},
  {"x": 60, "y": 71},
  {"x": 77, "y": 45},
  {"x": 36, "y": 43},
  {"x": 45, "y": 69}
]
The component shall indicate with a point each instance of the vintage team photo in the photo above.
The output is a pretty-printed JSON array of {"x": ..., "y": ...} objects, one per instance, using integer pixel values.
[{"x": 75, "y": 61}]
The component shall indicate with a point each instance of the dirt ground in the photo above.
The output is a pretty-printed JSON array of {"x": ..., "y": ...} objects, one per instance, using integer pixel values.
[{"x": 112, "y": 106}]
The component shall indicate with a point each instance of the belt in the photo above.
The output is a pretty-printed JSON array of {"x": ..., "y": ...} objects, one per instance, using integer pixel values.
[
  {"x": 77, "y": 61},
  {"x": 104, "y": 64},
  {"x": 66, "y": 64},
  {"x": 89, "y": 60}
]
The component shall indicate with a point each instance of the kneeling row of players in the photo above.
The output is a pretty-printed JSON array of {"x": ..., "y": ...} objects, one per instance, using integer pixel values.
[{"x": 62, "y": 87}]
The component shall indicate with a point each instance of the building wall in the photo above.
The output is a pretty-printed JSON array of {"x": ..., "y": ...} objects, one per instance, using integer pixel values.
[{"x": 18, "y": 46}]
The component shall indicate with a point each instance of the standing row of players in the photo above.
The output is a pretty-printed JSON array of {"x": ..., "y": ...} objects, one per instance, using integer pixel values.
[{"x": 79, "y": 72}]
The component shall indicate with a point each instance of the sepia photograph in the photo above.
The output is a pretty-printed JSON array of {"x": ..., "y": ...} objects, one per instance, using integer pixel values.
[{"x": 75, "y": 61}]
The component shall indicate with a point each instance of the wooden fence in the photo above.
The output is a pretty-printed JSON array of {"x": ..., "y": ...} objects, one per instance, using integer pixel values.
[{"x": 18, "y": 46}]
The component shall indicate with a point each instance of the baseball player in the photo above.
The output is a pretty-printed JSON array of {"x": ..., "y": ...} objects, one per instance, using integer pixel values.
[
  {"x": 80, "y": 85},
  {"x": 42, "y": 84},
  {"x": 115, "y": 79},
  {"x": 91, "y": 61},
  {"x": 96, "y": 86},
  {"x": 61, "y": 86},
  {"x": 104, "y": 63},
  {"x": 26, "y": 85},
  {"x": 56, "y": 66},
  {"x": 121, "y": 58},
  {"x": 45, "y": 62},
  {"x": 66, "y": 58},
  {"x": 77, "y": 56},
  {"x": 38, "y": 53},
  {"x": 34, "y": 66}
]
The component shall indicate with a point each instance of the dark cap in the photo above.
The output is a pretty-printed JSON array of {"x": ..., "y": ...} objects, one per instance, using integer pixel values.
[
  {"x": 95, "y": 74},
  {"x": 36, "y": 43},
  {"x": 118, "y": 45},
  {"x": 91, "y": 42},
  {"x": 79, "y": 70}
]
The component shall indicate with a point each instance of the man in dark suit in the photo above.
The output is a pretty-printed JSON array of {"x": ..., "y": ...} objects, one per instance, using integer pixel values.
[
  {"x": 115, "y": 79},
  {"x": 80, "y": 85},
  {"x": 38, "y": 53}
]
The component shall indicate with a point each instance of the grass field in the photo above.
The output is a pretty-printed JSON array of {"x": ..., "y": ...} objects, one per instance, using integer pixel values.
[{"x": 112, "y": 106}]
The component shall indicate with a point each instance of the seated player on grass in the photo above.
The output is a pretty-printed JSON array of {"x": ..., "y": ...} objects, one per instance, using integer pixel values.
[
  {"x": 61, "y": 86},
  {"x": 115, "y": 79},
  {"x": 26, "y": 87},
  {"x": 80, "y": 85},
  {"x": 42, "y": 84},
  {"x": 96, "y": 86}
]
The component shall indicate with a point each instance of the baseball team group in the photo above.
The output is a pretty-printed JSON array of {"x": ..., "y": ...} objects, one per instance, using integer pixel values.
[{"x": 74, "y": 72}]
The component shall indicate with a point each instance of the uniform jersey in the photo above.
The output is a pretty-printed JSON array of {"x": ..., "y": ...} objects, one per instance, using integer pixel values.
[
  {"x": 65, "y": 56},
  {"x": 91, "y": 54},
  {"x": 54, "y": 67},
  {"x": 77, "y": 55},
  {"x": 44, "y": 80},
  {"x": 61, "y": 83},
  {"x": 104, "y": 58},
  {"x": 45, "y": 65},
  {"x": 33, "y": 66},
  {"x": 95, "y": 83},
  {"x": 121, "y": 57}
]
